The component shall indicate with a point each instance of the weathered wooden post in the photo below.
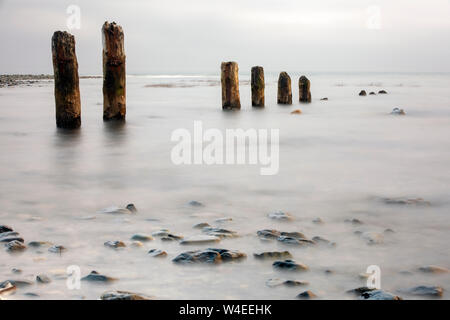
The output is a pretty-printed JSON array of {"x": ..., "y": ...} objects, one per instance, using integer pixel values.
[
  {"x": 114, "y": 81},
  {"x": 304, "y": 89},
  {"x": 230, "y": 85},
  {"x": 67, "y": 89},
  {"x": 284, "y": 89},
  {"x": 258, "y": 85}
]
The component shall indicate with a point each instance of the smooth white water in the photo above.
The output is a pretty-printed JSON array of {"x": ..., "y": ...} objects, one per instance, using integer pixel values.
[{"x": 335, "y": 159}]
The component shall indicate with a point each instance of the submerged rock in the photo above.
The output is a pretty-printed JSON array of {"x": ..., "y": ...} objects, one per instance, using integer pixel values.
[
  {"x": 16, "y": 283},
  {"x": 398, "y": 111},
  {"x": 7, "y": 288},
  {"x": 131, "y": 207},
  {"x": 321, "y": 240},
  {"x": 268, "y": 234},
  {"x": 295, "y": 241},
  {"x": 165, "y": 235},
  {"x": 318, "y": 221},
  {"x": 434, "y": 269},
  {"x": 289, "y": 265},
  {"x": 201, "y": 239},
  {"x": 432, "y": 291},
  {"x": 9, "y": 236},
  {"x": 57, "y": 249},
  {"x": 117, "y": 210},
  {"x": 42, "y": 278},
  {"x": 94, "y": 276},
  {"x": 279, "y": 215},
  {"x": 209, "y": 256},
  {"x": 157, "y": 253},
  {"x": 201, "y": 225},
  {"x": 288, "y": 283},
  {"x": 353, "y": 221},
  {"x": 114, "y": 244},
  {"x": 39, "y": 244},
  {"x": 306, "y": 295},
  {"x": 324, "y": 99},
  {"x": 123, "y": 295},
  {"x": 142, "y": 237},
  {"x": 15, "y": 246},
  {"x": 363, "y": 93},
  {"x": 382, "y": 92},
  {"x": 372, "y": 93},
  {"x": 272, "y": 255},
  {"x": 16, "y": 270},
  {"x": 219, "y": 232},
  {"x": 379, "y": 295},
  {"x": 406, "y": 201},
  {"x": 194, "y": 203},
  {"x": 373, "y": 238}
]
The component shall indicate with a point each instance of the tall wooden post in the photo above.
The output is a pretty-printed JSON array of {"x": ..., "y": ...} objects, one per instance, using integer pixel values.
[
  {"x": 230, "y": 85},
  {"x": 114, "y": 81},
  {"x": 258, "y": 85},
  {"x": 284, "y": 89},
  {"x": 304, "y": 89},
  {"x": 67, "y": 90}
]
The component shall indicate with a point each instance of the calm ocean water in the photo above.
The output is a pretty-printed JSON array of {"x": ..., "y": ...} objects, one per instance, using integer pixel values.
[{"x": 336, "y": 159}]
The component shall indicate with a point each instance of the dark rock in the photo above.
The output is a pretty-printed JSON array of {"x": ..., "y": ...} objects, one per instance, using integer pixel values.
[
  {"x": 42, "y": 278},
  {"x": 4, "y": 228},
  {"x": 295, "y": 241},
  {"x": 157, "y": 253},
  {"x": 94, "y": 276},
  {"x": 16, "y": 270},
  {"x": 306, "y": 295},
  {"x": 39, "y": 244},
  {"x": 16, "y": 283},
  {"x": 201, "y": 239},
  {"x": 379, "y": 295},
  {"x": 294, "y": 234},
  {"x": 382, "y": 92},
  {"x": 359, "y": 291},
  {"x": 142, "y": 237},
  {"x": 354, "y": 221},
  {"x": 321, "y": 240},
  {"x": 324, "y": 99},
  {"x": 57, "y": 249},
  {"x": 287, "y": 283},
  {"x": 6, "y": 288},
  {"x": 406, "y": 201},
  {"x": 131, "y": 207},
  {"x": 209, "y": 256},
  {"x": 372, "y": 93},
  {"x": 219, "y": 232},
  {"x": 289, "y": 265},
  {"x": 387, "y": 231},
  {"x": 398, "y": 111},
  {"x": 166, "y": 236},
  {"x": 268, "y": 234},
  {"x": 114, "y": 244},
  {"x": 434, "y": 269},
  {"x": 15, "y": 246},
  {"x": 272, "y": 255},
  {"x": 363, "y": 93},
  {"x": 123, "y": 295},
  {"x": 318, "y": 221},
  {"x": 194, "y": 203}
]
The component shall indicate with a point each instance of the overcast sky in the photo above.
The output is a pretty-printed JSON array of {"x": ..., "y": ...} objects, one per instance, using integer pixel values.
[{"x": 194, "y": 36}]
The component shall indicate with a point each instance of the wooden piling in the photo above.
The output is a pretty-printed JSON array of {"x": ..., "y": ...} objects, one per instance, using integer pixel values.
[
  {"x": 67, "y": 89},
  {"x": 114, "y": 76},
  {"x": 304, "y": 89},
  {"x": 230, "y": 85},
  {"x": 258, "y": 85},
  {"x": 284, "y": 89}
]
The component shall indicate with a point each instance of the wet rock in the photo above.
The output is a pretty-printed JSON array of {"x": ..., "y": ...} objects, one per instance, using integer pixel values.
[
  {"x": 194, "y": 203},
  {"x": 142, "y": 237},
  {"x": 7, "y": 288},
  {"x": 123, "y": 295},
  {"x": 16, "y": 270},
  {"x": 42, "y": 278},
  {"x": 372, "y": 238},
  {"x": 165, "y": 235},
  {"x": 321, "y": 240},
  {"x": 398, "y": 111},
  {"x": 136, "y": 244},
  {"x": 201, "y": 239},
  {"x": 17, "y": 283},
  {"x": 363, "y": 93},
  {"x": 31, "y": 294},
  {"x": 434, "y": 269},
  {"x": 298, "y": 111},
  {"x": 288, "y": 283},
  {"x": 354, "y": 221},
  {"x": 289, "y": 265},
  {"x": 114, "y": 244},
  {"x": 372, "y": 93},
  {"x": 131, "y": 207},
  {"x": 318, "y": 221},
  {"x": 431, "y": 291},
  {"x": 324, "y": 99},
  {"x": 222, "y": 220},
  {"x": 382, "y": 92},
  {"x": 9, "y": 236},
  {"x": 94, "y": 276},
  {"x": 157, "y": 253},
  {"x": 15, "y": 246},
  {"x": 39, "y": 244},
  {"x": 378, "y": 295},
  {"x": 406, "y": 201},
  {"x": 57, "y": 249},
  {"x": 388, "y": 231},
  {"x": 209, "y": 256},
  {"x": 4, "y": 228},
  {"x": 268, "y": 234},
  {"x": 306, "y": 295},
  {"x": 279, "y": 215},
  {"x": 201, "y": 225},
  {"x": 219, "y": 232},
  {"x": 272, "y": 255},
  {"x": 295, "y": 241}
]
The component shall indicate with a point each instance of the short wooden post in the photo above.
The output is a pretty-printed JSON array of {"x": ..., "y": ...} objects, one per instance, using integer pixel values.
[
  {"x": 284, "y": 89},
  {"x": 258, "y": 85},
  {"x": 230, "y": 85},
  {"x": 304, "y": 89}
]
